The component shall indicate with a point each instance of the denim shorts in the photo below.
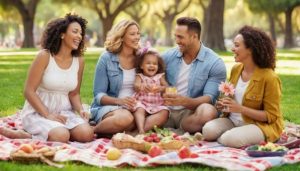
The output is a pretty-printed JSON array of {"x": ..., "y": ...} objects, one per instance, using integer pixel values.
[{"x": 97, "y": 116}]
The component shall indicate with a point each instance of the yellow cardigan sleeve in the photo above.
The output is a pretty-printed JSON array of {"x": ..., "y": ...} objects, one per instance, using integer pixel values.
[{"x": 271, "y": 99}]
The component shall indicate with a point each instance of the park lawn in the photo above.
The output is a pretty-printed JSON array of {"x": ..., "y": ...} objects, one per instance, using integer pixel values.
[{"x": 14, "y": 67}]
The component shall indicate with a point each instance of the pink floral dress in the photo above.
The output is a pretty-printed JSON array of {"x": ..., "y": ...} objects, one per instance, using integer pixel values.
[{"x": 151, "y": 102}]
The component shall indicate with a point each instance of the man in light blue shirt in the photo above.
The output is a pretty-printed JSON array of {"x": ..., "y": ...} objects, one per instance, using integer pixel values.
[{"x": 196, "y": 71}]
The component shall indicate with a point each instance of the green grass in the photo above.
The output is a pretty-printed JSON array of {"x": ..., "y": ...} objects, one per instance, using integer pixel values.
[{"x": 13, "y": 73}]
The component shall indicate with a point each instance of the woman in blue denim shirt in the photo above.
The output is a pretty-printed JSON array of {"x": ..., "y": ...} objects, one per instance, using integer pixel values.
[{"x": 114, "y": 78}]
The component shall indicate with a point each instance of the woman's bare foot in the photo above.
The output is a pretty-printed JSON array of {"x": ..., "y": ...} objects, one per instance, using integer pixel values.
[{"x": 14, "y": 134}]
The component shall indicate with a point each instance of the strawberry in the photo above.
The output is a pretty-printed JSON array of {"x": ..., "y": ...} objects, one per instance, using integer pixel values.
[
  {"x": 153, "y": 135},
  {"x": 184, "y": 152},
  {"x": 154, "y": 151},
  {"x": 177, "y": 138},
  {"x": 156, "y": 139},
  {"x": 148, "y": 139},
  {"x": 174, "y": 135}
]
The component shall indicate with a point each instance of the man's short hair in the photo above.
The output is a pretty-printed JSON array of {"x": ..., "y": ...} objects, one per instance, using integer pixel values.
[{"x": 192, "y": 23}]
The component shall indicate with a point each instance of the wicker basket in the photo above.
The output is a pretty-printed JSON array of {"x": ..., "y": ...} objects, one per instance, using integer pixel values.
[
  {"x": 25, "y": 157},
  {"x": 29, "y": 157},
  {"x": 35, "y": 157}
]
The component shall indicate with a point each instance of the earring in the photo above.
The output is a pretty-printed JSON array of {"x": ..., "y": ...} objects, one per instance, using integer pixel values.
[{"x": 62, "y": 37}]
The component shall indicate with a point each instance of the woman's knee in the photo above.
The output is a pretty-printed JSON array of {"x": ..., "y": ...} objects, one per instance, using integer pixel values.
[
  {"x": 206, "y": 111},
  {"x": 59, "y": 134},
  {"x": 242, "y": 136},
  {"x": 123, "y": 118},
  {"x": 210, "y": 131},
  {"x": 82, "y": 133},
  {"x": 213, "y": 129},
  {"x": 230, "y": 139}
]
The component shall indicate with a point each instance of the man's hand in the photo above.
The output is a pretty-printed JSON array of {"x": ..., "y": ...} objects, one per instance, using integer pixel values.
[{"x": 174, "y": 100}]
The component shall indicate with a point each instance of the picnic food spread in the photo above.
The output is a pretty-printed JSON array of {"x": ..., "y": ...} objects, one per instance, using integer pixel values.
[
  {"x": 265, "y": 149},
  {"x": 155, "y": 142}
]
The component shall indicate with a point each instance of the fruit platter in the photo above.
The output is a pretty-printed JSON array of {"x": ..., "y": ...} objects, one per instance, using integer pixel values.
[
  {"x": 31, "y": 153},
  {"x": 266, "y": 149},
  {"x": 156, "y": 142}
]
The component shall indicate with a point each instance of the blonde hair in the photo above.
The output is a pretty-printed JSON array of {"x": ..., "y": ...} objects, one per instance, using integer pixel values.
[{"x": 113, "y": 42}]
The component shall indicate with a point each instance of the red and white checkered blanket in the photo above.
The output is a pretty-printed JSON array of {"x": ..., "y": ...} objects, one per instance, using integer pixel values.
[{"x": 94, "y": 153}]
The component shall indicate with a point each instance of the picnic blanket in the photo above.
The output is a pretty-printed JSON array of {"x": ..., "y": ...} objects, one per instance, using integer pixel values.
[{"x": 94, "y": 153}]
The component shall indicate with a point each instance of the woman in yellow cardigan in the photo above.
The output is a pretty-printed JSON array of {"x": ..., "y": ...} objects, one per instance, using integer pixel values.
[{"x": 255, "y": 113}]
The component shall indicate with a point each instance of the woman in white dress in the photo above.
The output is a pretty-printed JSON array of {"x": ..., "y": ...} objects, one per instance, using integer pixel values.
[{"x": 52, "y": 89}]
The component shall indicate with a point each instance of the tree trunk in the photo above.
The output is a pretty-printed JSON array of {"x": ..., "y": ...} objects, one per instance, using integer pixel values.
[
  {"x": 288, "y": 40},
  {"x": 204, "y": 24},
  {"x": 272, "y": 27},
  {"x": 168, "y": 25},
  {"x": 107, "y": 25},
  {"x": 27, "y": 11},
  {"x": 214, "y": 37},
  {"x": 28, "y": 31}
]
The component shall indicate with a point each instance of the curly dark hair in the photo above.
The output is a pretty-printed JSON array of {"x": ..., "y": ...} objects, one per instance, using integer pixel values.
[
  {"x": 140, "y": 59},
  {"x": 261, "y": 46},
  {"x": 51, "y": 39}
]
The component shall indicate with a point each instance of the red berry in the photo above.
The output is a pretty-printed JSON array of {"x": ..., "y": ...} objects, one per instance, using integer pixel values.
[
  {"x": 153, "y": 135},
  {"x": 154, "y": 151},
  {"x": 148, "y": 139},
  {"x": 184, "y": 152},
  {"x": 156, "y": 139},
  {"x": 177, "y": 138},
  {"x": 174, "y": 135}
]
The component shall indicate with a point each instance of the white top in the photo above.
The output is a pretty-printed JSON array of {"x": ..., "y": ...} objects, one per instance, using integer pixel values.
[
  {"x": 56, "y": 83},
  {"x": 182, "y": 82},
  {"x": 128, "y": 81},
  {"x": 55, "y": 86},
  {"x": 240, "y": 89}
]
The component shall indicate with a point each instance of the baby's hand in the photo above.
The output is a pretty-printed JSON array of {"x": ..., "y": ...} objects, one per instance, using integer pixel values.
[
  {"x": 156, "y": 89},
  {"x": 147, "y": 89}
]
